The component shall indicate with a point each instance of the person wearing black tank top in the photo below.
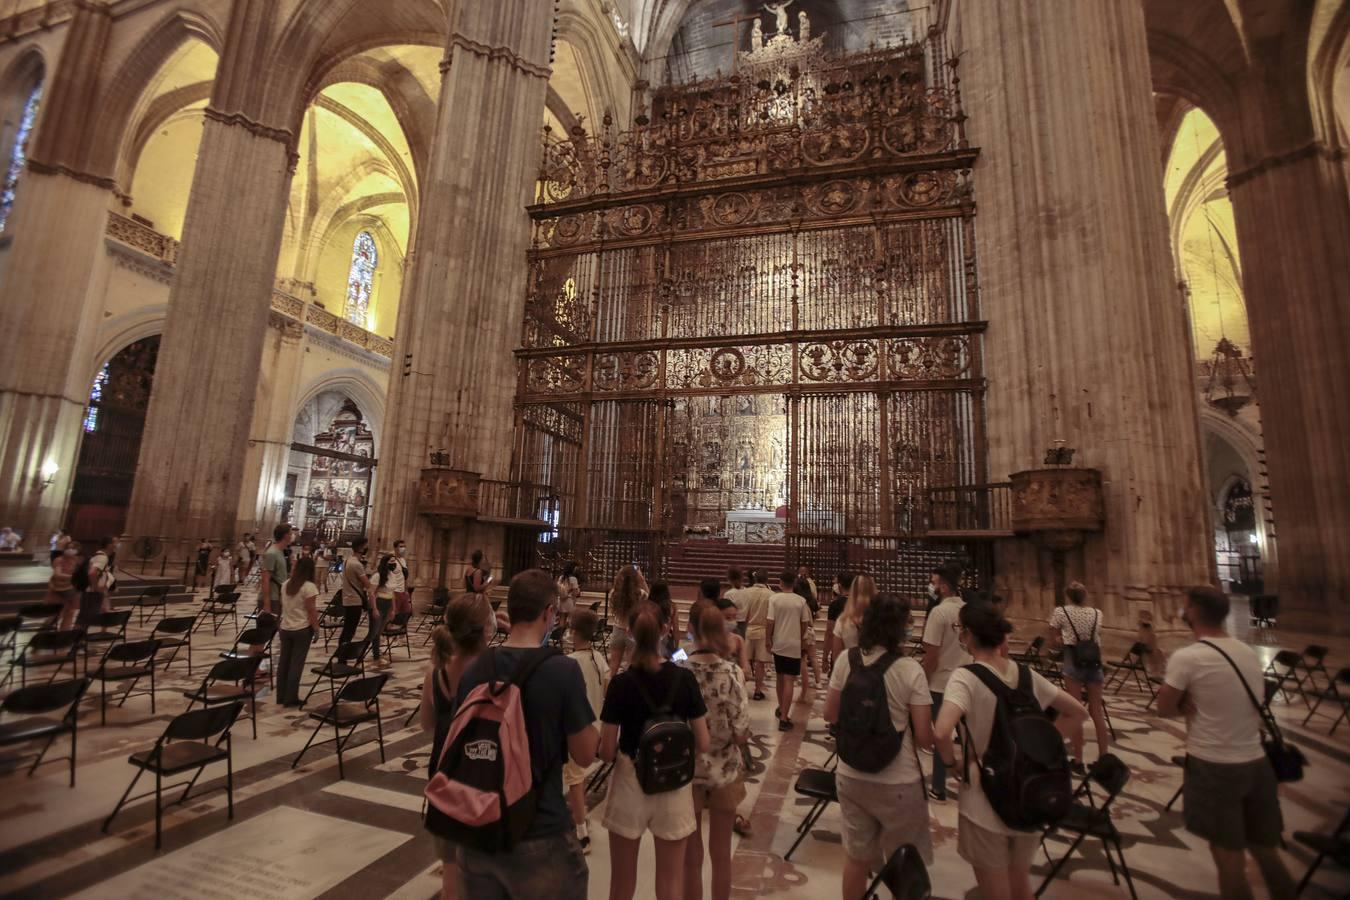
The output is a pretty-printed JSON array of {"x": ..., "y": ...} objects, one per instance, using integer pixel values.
[{"x": 460, "y": 638}]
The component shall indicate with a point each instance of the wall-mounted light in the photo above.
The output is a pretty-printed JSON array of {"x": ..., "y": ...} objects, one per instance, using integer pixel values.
[{"x": 48, "y": 471}]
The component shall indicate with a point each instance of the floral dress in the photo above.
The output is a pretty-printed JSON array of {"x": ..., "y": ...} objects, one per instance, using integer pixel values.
[{"x": 723, "y": 688}]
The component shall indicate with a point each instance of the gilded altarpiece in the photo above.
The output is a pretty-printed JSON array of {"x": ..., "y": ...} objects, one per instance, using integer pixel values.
[{"x": 761, "y": 297}]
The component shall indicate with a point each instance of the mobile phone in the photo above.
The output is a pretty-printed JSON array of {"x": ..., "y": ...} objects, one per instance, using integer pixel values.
[{"x": 680, "y": 655}]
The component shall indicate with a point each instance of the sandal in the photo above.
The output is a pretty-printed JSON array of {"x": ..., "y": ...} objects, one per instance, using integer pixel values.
[{"x": 741, "y": 826}]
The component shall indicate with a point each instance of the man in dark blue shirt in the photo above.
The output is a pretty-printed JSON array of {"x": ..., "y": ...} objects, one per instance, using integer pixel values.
[{"x": 548, "y": 862}]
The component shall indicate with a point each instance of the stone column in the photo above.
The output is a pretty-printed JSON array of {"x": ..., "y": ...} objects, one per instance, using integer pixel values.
[
  {"x": 190, "y": 477},
  {"x": 1087, "y": 339},
  {"x": 453, "y": 379},
  {"x": 269, "y": 444},
  {"x": 48, "y": 314},
  {"x": 1291, "y": 204}
]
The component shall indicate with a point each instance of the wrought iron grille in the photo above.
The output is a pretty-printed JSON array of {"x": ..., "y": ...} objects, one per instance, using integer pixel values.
[{"x": 761, "y": 297}]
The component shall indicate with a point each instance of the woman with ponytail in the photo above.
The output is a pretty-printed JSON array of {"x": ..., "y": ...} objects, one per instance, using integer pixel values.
[
  {"x": 629, "y": 589},
  {"x": 460, "y": 638},
  {"x": 860, "y": 594},
  {"x": 629, "y": 811},
  {"x": 719, "y": 775}
]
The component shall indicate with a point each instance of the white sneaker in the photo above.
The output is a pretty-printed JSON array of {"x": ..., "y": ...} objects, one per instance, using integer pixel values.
[{"x": 584, "y": 838}]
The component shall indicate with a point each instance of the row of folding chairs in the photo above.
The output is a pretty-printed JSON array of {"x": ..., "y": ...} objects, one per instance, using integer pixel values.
[{"x": 1305, "y": 675}]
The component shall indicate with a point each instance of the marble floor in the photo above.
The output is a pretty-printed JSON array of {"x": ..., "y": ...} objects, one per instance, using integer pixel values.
[{"x": 304, "y": 833}]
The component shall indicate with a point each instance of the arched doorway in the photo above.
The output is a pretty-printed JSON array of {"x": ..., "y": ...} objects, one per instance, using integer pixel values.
[
  {"x": 331, "y": 470},
  {"x": 114, "y": 420}
]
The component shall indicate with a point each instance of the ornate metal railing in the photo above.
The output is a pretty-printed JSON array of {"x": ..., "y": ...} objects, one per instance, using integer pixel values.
[
  {"x": 517, "y": 501},
  {"x": 971, "y": 509},
  {"x": 145, "y": 239}
]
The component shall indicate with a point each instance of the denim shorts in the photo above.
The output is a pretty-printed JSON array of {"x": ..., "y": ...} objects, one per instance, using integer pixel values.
[{"x": 1082, "y": 676}]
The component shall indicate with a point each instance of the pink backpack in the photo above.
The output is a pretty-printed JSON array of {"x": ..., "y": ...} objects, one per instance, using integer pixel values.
[{"x": 482, "y": 793}]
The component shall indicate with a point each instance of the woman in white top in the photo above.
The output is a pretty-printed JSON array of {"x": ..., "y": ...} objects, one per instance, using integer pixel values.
[
  {"x": 860, "y": 595},
  {"x": 1000, "y": 855},
  {"x": 889, "y": 808},
  {"x": 1077, "y": 621},
  {"x": 299, "y": 624},
  {"x": 224, "y": 569}
]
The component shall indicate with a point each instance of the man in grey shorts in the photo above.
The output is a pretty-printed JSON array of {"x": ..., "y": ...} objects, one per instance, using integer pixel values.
[{"x": 1229, "y": 788}]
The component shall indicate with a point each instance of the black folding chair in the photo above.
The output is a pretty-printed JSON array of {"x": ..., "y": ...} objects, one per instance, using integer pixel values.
[
  {"x": 1336, "y": 845},
  {"x": 1333, "y": 693},
  {"x": 1086, "y": 819},
  {"x": 260, "y": 637},
  {"x": 230, "y": 681},
  {"x": 39, "y": 616},
  {"x": 1312, "y": 662},
  {"x": 9, "y": 636},
  {"x": 52, "y": 650},
  {"x": 152, "y": 598},
  {"x": 106, "y": 628},
  {"x": 218, "y": 608},
  {"x": 1179, "y": 761},
  {"x": 433, "y": 616},
  {"x": 32, "y": 702},
  {"x": 347, "y": 661},
  {"x": 1284, "y": 669},
  {"x": 904, "y": 875},
  {"x": 127, "y": 662},
  {"x": 330, "y": 619},
  {"x": 1133, "y": 664},
  {"x": 185, "y": 745},
  {"x": 395, "y": 631},
  {"x": 818, "y": 785},
  {"x": 356, "y": 703},
  {"x": 176, "y": 632}
]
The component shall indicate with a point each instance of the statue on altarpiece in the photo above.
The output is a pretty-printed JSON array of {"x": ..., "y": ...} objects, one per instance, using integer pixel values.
[{"x": 780, "y": 15}]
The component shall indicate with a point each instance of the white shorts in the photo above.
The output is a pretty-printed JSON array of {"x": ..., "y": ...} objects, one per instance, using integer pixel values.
[{"x": 629, "y": 812}]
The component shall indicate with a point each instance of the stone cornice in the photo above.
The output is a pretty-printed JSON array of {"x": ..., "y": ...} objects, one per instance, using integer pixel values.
[
  {"x": 257, "y": 129},
  {"x": 490, "y": 53},
  {"x": 1310, "y": 150},
  {"x": 38, "y": 167},
  {"x": 139, "y": 262},
  {"x": 317, "y": 335}
]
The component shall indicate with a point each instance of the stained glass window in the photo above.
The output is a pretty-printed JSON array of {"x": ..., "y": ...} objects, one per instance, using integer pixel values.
[
  {"x": 364, "y": 260},
  {"x": 95, "y": 398},
  {"x": 18, "y": 156}
]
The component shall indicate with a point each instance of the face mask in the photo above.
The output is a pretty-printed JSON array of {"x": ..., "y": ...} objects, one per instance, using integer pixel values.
[
  {"x": 932, "y": 592},
  {"x": 552, "y": 621},
  {"x": 70, "y": 552},
  {"x": 731, "y": 626}
]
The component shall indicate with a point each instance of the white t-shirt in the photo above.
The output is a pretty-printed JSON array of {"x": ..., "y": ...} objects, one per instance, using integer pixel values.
[
  {"x": 294, "y": 615},
  {"x": 737, "y": 598},
  {"x": 395, "y": 581},
  {"x": 105, "y": 580},
  {"x": 1086, "y": 619},
  {"x": 942, "y": 629},
  {"x": 595, "y": 672},
  {"x": 787, "y": 612},
  {"x": 847, "y": 632},
  {"x": 978, "y": 703},
  {"x": 906, "y": 686},
  {"x": 1225, "y": 727}
]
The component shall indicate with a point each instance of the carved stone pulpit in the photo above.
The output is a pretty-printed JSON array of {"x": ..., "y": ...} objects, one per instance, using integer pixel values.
[
  {"x": 1057, "y": 509},
  {"x": 446, "y": 497}
]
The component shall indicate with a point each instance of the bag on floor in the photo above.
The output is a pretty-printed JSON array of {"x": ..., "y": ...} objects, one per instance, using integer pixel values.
[
  {"x": 867, "y": 739},
  {"x": 1025, "y": 771},
  {"x": 666, "y": 753},
  {"x": 482, "y": 793}
]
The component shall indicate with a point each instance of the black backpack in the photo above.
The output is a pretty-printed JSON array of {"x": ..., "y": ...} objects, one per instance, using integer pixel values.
[
  {"x": 1025, "y": 771},
  {"x": 1086, "y": 655},
  {"x": 866, "y": 738},
  {"x": 666, "y": 754},
  {"x": 79, "y": 576}
]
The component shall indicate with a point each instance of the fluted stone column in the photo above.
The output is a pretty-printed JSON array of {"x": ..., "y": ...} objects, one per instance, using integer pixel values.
[
  {"x": 1087, "y": 339},
  {"x": 461, "y": 318},
  {"x": 1292, "y": 210},
  {"x": 190, "y": 478},
  {"x": 48, "y": 317}
]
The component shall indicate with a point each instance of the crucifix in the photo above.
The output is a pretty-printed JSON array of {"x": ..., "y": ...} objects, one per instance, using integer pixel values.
[{"x": 735, "y": 23}]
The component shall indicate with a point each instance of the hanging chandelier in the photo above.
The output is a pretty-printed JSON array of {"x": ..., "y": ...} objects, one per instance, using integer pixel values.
[{"x": 1230, "y": 386}]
